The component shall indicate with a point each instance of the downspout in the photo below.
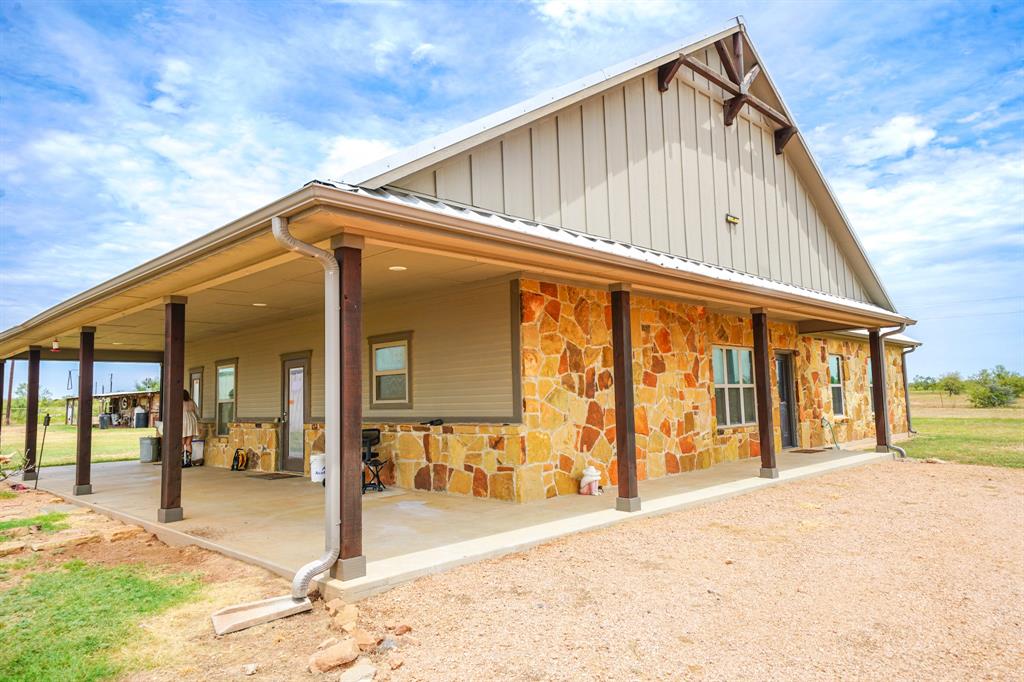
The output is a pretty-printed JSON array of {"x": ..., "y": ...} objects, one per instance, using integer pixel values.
[
  {"x": 888, "y": 429},
  {"x": 332, "y": 393},
  {"x": 906, "y": 387}
]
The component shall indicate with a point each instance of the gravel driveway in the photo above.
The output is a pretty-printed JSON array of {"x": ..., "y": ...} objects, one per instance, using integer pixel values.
[{"x": 888, "y": 571}]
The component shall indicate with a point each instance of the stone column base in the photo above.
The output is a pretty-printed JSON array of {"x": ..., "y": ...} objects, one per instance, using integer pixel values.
[
  {"x": 169, "y": 515},
  {"x": 82, "y": 489},
  {"x": 881, "y": 448},
  {"x": 349, "y": 569},
  {"x": 627, "y": 504},
  {"x": 30, "y": 476},
  {"x": 772, "y": 472}
]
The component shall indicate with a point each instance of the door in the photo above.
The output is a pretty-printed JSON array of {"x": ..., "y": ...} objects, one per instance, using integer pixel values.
[
  {"x": 787, "y": 406},
  {"x": 295, "y": 398}
]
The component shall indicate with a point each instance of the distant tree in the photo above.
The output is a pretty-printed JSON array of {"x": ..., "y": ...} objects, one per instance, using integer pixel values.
[
  {"x": 1008, "y": 382},
  {"x": 990, "y": 395},
  {"x": 148, "y": 384},
  {"x": 21, "y": 391},
  {"x": 951, "y": 383},
  {"x": 920, "y": 383}
]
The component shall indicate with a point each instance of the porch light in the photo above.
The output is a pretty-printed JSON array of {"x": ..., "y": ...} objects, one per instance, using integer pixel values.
[
  {"x": 117, "y": 343},
  {"x": 731, "y": 219},
  {"x": 55, "y": 346},
  {"x": 397, "y": 268},
  {"x": 260, "y": 305}
]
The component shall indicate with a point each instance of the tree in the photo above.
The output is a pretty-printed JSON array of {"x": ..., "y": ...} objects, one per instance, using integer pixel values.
[
  {"x": 148, "y": 384},
  {"x": 21, "y": 391},
  {"x": 951, "y": 383},
  {"x": 920, "y": 383}
]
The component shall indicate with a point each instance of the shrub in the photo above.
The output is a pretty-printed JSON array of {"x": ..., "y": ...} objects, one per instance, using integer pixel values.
[
  {"x": 951, "y": 383},
  {"x": 991, "y": 395}
]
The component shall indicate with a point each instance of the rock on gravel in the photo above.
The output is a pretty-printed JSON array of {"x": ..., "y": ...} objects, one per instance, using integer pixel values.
[
  {"x": 66, "y": 541},
  {"x": 361, "y": 671},
  {"x": 334, "y": 656},
  {"x": 7, "y": 548}
]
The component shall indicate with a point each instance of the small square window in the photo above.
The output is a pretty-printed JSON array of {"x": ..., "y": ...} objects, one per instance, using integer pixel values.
[{"x": 390, "y": 371}]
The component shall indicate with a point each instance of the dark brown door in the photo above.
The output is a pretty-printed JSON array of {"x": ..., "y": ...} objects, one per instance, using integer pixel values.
[
  {"x": 295, "y": 399},
  {"x": 787, "y": 406}
]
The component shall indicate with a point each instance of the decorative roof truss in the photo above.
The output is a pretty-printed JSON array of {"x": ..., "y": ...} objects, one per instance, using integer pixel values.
[{"x": 737, "y": 83}]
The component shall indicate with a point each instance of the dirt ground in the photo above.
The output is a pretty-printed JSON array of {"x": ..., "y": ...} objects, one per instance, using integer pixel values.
[{"x": 888, "y": 571}]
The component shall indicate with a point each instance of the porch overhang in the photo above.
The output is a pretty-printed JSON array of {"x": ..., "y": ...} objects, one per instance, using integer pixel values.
[{"x": 319, "y": 211}]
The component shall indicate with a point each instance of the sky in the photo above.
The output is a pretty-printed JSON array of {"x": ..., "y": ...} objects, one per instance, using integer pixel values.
[{"x": 129, "y": 128}]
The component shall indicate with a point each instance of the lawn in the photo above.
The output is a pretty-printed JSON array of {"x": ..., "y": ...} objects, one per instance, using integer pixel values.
[
  {"x": 108, "y": 445},
  {"x": 949, "y": 428},
  {"x": 69, "y": 623}
]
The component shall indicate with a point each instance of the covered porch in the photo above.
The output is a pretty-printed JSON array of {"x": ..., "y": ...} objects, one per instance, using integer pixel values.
[{"x": 274, "y": 522}]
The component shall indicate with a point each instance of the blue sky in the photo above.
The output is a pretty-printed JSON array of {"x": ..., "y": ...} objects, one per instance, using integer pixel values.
[{"x": 129, "y": 128}]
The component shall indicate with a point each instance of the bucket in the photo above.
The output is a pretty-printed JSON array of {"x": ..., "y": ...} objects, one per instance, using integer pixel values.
[
  {"x": 317, "y": 467},
  {"x": 590, "y": 484}
]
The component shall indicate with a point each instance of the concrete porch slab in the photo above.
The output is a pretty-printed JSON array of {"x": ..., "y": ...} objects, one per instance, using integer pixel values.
[{"x": 278, "y": 523}]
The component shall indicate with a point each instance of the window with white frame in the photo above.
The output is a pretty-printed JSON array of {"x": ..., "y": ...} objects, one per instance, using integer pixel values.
[
  {"x": 734, "y": 385},
  {"x": 390, "y": 370},
  {"x": 835, "y": 382},
  {"x": 227, "y": 379},
  {"x": 871, "y": 386}
]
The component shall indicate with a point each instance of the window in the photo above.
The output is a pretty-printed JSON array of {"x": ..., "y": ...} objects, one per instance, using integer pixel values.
[
  {"x": 227, "y": 371},
  {"x": 734, "y": 386},
  {"x": 390, "y": 374},
  {"x": 195, "y": 388},
  {"x": 871, "y": 386},
  {"x": 835, "y": 381}
]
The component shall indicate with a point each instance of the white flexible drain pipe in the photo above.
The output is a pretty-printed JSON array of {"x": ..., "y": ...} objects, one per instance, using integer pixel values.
[{"x": 332, "y": 400}]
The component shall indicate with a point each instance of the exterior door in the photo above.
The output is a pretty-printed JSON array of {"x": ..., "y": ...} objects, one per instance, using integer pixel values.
[
  {"x": 787, "y": 406},
  {"x": 295, "y": 398}
]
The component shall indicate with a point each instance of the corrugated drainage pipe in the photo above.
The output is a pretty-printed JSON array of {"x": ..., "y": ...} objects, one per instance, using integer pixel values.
[
  {"x": 892, "y": 332},
  {"x": 332, "y": 393}
]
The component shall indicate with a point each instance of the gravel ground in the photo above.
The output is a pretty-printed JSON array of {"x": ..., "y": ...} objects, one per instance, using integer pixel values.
[{"x": 888, "y": 571}]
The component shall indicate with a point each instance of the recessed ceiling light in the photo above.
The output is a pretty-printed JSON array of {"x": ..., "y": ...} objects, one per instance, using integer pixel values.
[
  {"x": 397, "y": 268},
  {"x": 117, "y": 343},
  {"x": 260, "y": 305}
]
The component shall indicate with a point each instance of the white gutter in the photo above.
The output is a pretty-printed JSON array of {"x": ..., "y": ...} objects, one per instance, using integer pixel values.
[{"x": 332, "y": 402}]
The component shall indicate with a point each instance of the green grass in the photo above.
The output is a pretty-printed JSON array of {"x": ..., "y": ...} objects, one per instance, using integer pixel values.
[
  {"x": 69, "y": 624},
  {"x": 48, "y": 523},
  {"x": 7, "y": 495},
  {"x": 995, "y": 442},
  {"x": 108, "y": 445}
]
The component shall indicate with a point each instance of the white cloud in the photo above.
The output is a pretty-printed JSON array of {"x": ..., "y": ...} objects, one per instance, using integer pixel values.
[
  {"x": 570, "y": 14},
  {"x": 895, "y": 137},
  {"x": 346, "y": 153}
]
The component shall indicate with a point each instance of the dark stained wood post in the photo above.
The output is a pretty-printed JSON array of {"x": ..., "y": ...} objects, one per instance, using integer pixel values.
[
  {"x": 878, "y": 388},
  {"x": 625, "y": 430},
  {"x": 83, "y": 454},
  {"x": 348, "y": 250},
  {"x": 763, "y": 394},
  {"x": 172, "y": 398},
  {"x": 2, "y": 368},
  {"x": 31, "y": 414}
]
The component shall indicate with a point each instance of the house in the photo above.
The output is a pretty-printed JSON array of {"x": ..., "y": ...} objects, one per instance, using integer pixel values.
[{"x": 643, "y": 271}]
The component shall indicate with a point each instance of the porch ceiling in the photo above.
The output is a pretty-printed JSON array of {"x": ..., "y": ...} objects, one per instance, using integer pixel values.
[{"x": 290, "y": 290}]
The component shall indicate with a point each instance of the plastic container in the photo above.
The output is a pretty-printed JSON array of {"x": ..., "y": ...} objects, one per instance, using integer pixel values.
[
  {"x": 105, "y": 421},
  {"x": 198, "y": 446},
  {"x": 149, "y": 449},
  {"x": 318, "y": 467},
  {"x": 590, "y": 484}
]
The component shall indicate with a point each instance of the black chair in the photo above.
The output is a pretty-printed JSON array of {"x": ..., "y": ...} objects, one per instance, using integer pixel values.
[{"x": 372, "y": 461}]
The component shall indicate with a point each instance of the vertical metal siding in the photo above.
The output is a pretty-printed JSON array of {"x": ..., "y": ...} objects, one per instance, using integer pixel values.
[{"x": 658, "y": 170}]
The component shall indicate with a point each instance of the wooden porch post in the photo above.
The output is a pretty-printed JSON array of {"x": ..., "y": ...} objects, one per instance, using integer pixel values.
[
  {"x": 31, "y": 414},
  {"x": 173, "y": 399},
  {"x": 83, "y": 455},
  {"x": 879, "y": 389},
  {"x": 763, "y": 393},
  {"x": 625, "y": 429},
  {"x": 348, "y": 251},
  {"x": 3, "y": 364}
]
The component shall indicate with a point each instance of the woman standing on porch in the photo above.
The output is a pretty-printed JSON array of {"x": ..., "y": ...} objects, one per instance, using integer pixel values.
[{"x": 189, "y": 428}]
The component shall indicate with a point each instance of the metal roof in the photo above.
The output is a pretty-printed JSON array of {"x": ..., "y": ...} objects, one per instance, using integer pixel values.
[{"x": 600, "y": 244}]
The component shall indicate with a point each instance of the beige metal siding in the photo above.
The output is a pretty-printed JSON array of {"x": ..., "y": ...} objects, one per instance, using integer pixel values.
[
  {"x": 658, "y": 170},
  {"x": 461, "y": 357}
]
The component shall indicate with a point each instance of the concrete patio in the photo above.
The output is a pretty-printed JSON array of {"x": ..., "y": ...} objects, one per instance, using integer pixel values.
[{"x": 277, "y": 522}]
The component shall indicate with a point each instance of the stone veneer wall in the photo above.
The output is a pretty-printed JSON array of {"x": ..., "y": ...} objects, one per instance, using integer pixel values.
[{"x": 568, "y": 402}]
